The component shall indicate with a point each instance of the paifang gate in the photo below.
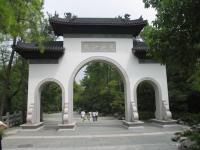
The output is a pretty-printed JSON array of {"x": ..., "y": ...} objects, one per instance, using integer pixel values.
[{"x": 110, "y": 40}]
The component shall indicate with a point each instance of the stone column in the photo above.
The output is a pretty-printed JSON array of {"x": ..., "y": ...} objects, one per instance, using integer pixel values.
[
  {"x": 32, "y": 120},
  {"x": 30, "y": 113},
  {"x": 65, "y": 113},
  {"x": 67, "y": 120},
  {"x": 133, "y": 121}
]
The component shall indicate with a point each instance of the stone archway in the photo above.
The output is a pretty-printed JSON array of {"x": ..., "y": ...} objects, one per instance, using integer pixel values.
[
  {"x": 111, "y": 62},
  {"x": 38, "y": 95},
  {"x": 158, "y": 95}
]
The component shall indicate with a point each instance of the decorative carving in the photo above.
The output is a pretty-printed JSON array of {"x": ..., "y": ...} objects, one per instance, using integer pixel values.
[
  {"x": 98, "y": 46},
  {"x": 135, "y": 116},
  {"x": 65, "y": 114},
  {"x": 166, "y": 112},
  {"x": 29, "y": 118}
]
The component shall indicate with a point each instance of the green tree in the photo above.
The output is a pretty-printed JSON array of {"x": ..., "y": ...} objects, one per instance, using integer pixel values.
[
  {"x": 174, "y": 36},
  {"x": 173, "y": 39},
  {"x": 101, "y": 90},
  {"x": 78, "y": 90},
  {"x": 20, "y": 20},
  {"x": 146, "y": 101},
  {"x": 51, "y": 98}
]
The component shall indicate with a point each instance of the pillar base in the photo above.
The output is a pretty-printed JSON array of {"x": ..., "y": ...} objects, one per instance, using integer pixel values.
[
  {"x": 132, "y": 125},
  {"x": 70, "y": 126},
  {"x": 31, "y": 126},
  {"x": 164, "y": 123}
]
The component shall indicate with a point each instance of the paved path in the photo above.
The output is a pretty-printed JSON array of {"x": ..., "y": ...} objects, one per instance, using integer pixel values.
[{"x": 106, "y": 134}]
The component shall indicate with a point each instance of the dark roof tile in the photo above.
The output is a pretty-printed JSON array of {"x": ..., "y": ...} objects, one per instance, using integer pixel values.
[
  {"x": 96, "y": 26},
  {"x": 52, "y": 50},
  {"x": 97, "y": 21},
  {"x": 139, "y": 49}
]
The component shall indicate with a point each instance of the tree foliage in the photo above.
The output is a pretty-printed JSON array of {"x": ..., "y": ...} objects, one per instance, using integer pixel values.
[
  {"x": 146, "y": 101},
  {"x": 173, "y": 39},
  {"x": 174, "y": 36},
  {"x": 20, "y": 20},
  {"x": 51, "y": 98},
  {"x": 101, "y": 90}
]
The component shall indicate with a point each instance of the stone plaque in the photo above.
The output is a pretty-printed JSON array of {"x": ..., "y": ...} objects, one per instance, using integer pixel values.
[{"x": 98, "y": 46}]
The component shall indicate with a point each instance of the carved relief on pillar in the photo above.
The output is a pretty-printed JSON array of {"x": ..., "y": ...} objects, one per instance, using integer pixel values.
[
  {"x": 166, "y": 112},
  {"x": 65, "y": 114},
  {"x": 29, "y": 118},
  {"x": 134, "y": 111}
]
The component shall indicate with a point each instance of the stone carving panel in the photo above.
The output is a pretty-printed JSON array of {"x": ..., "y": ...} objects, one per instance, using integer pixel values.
[
  {"x": 166, "y": 112},
  {"x": 29, "y": 118},
  {"x": 98, "y": 46},
  {"x": 135, "y": 116},
  {"x": 65, "y": 114}
]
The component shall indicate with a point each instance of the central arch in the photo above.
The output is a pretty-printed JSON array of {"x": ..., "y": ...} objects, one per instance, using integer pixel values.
[{"x": 122, "y": 73}]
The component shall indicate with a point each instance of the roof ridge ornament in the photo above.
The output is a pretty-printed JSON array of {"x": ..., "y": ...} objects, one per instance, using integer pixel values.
[
  {"x": 141, "y": 18},
  {"x": 56, "y": 15},
  {"x": 127, "y": 16},
  {"x": 69, "y": 16}
]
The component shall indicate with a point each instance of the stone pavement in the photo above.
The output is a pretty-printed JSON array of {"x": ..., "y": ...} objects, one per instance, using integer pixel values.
[{"x": 106, "y": 134}]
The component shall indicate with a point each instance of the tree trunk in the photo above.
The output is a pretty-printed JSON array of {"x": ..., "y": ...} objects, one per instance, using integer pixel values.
[{"x": 6, "y": 104}]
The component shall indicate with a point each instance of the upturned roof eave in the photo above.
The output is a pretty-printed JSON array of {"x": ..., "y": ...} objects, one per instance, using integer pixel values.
[{"x": 64, "y": 26}]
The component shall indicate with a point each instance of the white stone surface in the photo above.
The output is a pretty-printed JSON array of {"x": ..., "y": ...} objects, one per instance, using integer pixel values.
[{"x": 74, "y": 59}]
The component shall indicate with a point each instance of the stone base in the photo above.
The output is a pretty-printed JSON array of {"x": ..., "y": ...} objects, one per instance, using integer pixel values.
[
  {"x": 132, "y": 125},
  {"x": 164, "y": 123},
  {"x": 31, "y": 126},
  {"x": 70, "y": 126}
]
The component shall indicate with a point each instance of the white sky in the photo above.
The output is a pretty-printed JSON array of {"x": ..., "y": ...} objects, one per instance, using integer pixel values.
[{"x": 99, "y": 9}]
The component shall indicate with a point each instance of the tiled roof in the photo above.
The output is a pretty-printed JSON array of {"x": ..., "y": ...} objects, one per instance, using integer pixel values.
[
  {"x": 52, "y": 50},
  {"x": 49, "y": 46},
  {"x": 96, "y": 26},
  {"x": 139, "y": 49},
  {"x": 98, "y": 21},
  {"x": 139, "y": 45}
]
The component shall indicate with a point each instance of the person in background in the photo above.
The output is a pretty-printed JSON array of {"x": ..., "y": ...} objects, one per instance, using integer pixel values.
[
  {"x": 93, "y": 116},
  {"x": 90, "y": 116},
  {"x": 97, "y": 113},
  {"x": 83, "y": 116}
]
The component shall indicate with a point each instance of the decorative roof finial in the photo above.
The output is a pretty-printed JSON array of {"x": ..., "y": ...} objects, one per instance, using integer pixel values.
[
  {"x": 141, "y": 18},
  {"x": 127, "y": 16},
  {"x": 68, "y": 15},
  {"x": 56, "y": 15}
]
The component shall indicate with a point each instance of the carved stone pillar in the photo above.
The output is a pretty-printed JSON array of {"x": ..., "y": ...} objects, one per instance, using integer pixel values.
[
  {"x": 135, "y": 123},
  {"x": 65, "y": 114},
  {"x": 29, "y": 117},
  {"x": 165, "y": 111},
  {"x": 30, "y": 123},
  {"x": 66, "y": 124},
  {"x": 135, "y": 116},
  {"x": 165, "y": 119}
]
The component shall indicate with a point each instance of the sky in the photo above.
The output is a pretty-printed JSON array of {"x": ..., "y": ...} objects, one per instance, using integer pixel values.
[{"x": 99, "y": 9}]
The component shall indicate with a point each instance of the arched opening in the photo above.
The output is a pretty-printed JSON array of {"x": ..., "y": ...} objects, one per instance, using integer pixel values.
[
  {"x": 148, "y": 97},
  {"x": 100, "y": 90},
  {"x": 116, "y": 104},
  {"x": 49, "y": 101}
]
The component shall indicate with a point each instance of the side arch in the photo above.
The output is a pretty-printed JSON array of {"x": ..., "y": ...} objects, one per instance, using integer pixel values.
[
  {"x": 37, "y": 96},
  {"x": 111, "y": 62},
  {"x": 158, "y": 95}
]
